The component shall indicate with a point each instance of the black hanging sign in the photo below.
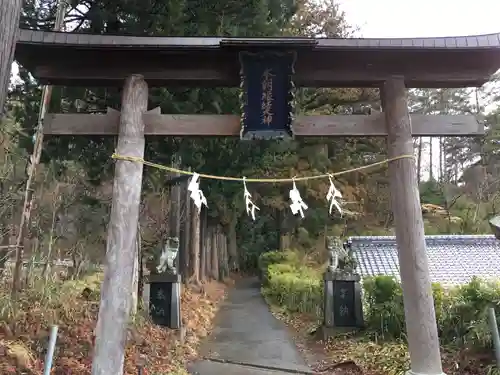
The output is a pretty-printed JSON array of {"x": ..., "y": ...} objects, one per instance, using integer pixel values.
[{"x": 267, "y": 94}]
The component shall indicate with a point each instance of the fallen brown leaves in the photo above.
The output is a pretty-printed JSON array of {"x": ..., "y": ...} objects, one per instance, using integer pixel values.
[
  {"x": 349, "y": 354},
  {"x": 22, "y": 352}
]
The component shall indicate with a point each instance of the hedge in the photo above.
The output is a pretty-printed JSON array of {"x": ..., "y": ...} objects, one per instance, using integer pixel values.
[
  {"x": 289, "y": 284},
  {"x": 461, "y": 312}
]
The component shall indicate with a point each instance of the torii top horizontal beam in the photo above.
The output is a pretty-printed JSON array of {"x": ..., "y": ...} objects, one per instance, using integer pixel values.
[{"x": 89, "y": 60}]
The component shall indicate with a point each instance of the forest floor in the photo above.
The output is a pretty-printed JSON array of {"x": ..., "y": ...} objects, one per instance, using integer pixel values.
[
  {"x": 357, "y": 354},
  {"x": 22, "y": 349}
]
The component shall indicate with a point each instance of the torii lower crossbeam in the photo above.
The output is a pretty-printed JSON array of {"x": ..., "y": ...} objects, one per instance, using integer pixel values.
[{"x": 229, "y": 125}]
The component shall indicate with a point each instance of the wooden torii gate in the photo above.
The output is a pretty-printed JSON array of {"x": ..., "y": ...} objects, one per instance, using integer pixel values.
[{"x": 393, "y": 65}]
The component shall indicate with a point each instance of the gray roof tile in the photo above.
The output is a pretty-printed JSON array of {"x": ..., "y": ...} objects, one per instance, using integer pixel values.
[{"x": 453, "y": 259}]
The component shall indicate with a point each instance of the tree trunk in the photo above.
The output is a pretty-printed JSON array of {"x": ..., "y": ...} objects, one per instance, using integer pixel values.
[
  {"x": 174, "y": 220},
  {"x": 194, "y": 259},
  {"x": 285, "y": 242},
  {"x": 208, "y": 252},
  {"x": 10, "y": 11},
  {"x": 234, "y": 261},
  {"x": 186, "y": 237},
  {"x": 215, "y": 253},
  {"x": 121, "y": 249},
  {"x": 220, "y": 254},
  {"x": 203, "y": 245},
  {"x": 223, "y": 256},
  {"x": 226, "y": 255}
]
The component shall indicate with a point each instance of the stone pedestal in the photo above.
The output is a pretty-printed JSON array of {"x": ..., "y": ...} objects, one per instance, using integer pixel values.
[
  {"x": 163, "y": 295},
  {"x": 342, "y": 306}
]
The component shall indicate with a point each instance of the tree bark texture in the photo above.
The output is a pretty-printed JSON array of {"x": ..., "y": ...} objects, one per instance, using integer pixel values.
[
  {"x": 174, "y": 220},
  {"x": 203, "y": 244},
  {"x": 223, "y": 255},
  {"x": 186, "y": 237},
  {"x": 194, "y": 258},
  {"x": 116, "y": 291},
  {"x": 232, "y": 247},
  {"x": 423, "y": 341},
  {"x": 208, "y": 253},
  {"x": 10, "y": 11},
  {"x": 215, "y": 253}
]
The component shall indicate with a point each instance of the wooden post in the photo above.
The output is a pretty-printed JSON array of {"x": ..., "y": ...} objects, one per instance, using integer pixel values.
[
  {"x": 116, "y": 293},
  {"x": 423, "y": 341},
  {"x": 136, "y": 272}
]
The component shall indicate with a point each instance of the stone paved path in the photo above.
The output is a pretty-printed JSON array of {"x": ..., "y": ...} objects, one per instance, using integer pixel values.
[{"x": 248, "y": 339}]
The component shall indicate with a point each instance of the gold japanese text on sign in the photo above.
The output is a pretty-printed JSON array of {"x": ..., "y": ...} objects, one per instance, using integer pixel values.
[{"x": 267, "y": 97}]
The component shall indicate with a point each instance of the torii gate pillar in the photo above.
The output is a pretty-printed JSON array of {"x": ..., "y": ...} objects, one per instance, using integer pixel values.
[
  {"x": 423, "y": 340},
  {"x": 116, "y": 290}
]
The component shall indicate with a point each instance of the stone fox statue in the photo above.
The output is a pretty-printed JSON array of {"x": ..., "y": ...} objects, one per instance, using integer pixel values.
[{"x": 168, "y": 256}]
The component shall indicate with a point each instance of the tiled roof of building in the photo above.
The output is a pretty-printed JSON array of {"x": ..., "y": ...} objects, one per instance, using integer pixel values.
[{"x": 453, "y": 259}]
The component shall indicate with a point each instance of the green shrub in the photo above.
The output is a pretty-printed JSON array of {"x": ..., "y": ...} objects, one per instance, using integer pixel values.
[
  {"x": 384, "y": 313},
  {"x": 460, "y": 311},
  {"x": 296, "y": 291},
  {"x": 464, "y": 320},
  {"x": 276, "y": 257},
  {"x": 384, "y": 307},
  {"x": 289, "y": 284},
  {"x": 281, "y": 268},
  {"x": 440, "y": 300}
]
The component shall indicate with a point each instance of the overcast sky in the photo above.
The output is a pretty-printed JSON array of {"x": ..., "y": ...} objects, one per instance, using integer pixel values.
[{"x": 423, "y": 18}]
